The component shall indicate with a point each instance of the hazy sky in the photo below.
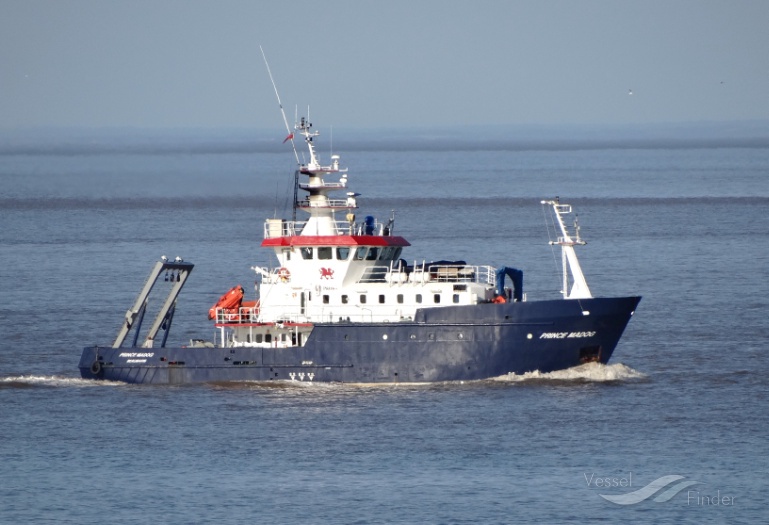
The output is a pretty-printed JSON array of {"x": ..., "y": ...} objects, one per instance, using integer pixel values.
[{"x": 394, "y": 63}]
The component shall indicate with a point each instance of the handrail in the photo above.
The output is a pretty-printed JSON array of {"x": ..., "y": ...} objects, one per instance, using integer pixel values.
[
  {"x": 252, "y": 314},
  {"x": 328, "y": 203},
  {"x": 446, "y": 273},
  {"x": 274, "y": 228},
  {"x": 361, "y": 314}
]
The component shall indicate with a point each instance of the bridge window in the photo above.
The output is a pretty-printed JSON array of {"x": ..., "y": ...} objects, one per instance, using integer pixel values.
[
  {"x": 342, "y": 253},
  {"x": 259, "y": 338},
  {"x": 360, "y": 253},
  {"x": 344, "y": 299},
  {"x": 268, "y": 338},
  {"x": 372, "y": 253},
  {"x": 306, "y": 253},
  {"x": 326, "y": 299},
  {"x": 325, "y": 252}
]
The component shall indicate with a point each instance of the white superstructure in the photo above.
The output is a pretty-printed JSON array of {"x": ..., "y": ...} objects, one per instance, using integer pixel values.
[{"x": 335, "y": 268}]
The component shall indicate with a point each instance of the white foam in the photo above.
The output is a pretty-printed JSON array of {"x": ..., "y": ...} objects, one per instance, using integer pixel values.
[
  {"x": 589, "y": 372},
  {"x": 54, "y": 381}
]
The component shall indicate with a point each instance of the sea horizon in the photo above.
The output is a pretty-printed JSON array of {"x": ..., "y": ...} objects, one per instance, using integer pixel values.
[{"x": 495, "y": 137}]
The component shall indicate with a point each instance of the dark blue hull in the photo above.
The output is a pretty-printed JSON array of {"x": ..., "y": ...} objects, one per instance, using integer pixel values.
[{"x": 441, "y": 344}]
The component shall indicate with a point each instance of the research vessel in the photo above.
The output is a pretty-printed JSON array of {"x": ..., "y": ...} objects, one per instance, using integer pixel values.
[{"x": 342, "y": 303}]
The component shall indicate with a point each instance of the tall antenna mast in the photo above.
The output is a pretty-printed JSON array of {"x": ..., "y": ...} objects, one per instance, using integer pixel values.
[{"x": 290, "y": 135}]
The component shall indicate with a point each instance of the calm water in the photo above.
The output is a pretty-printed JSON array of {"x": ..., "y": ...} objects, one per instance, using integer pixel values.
[{"x": 685, "y": 395}]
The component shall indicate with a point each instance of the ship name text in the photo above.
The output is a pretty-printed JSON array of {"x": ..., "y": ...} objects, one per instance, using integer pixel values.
[{"x": 566, "y": 335}]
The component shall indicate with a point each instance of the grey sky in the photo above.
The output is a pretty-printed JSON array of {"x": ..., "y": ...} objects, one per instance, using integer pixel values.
[{"x": 394, "y": 63}]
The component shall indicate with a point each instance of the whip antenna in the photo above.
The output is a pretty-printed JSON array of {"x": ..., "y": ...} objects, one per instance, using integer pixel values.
[{"x": 290, "y": 135}]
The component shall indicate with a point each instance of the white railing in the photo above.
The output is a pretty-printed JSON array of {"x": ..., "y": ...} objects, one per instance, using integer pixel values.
[
  {"x": 369, "y": 313},
  {"x": 452, "y": 273},
  {"x": 357, "y": 313},
  {"x": 308, "y": 186},
  {"x": 237, "y": 315},
  {"x": 246, "y": 315},
  {"x": 430, "y": 273},
  {"x": 328, "y": 203},
  {"x": 274, "y": 228}
]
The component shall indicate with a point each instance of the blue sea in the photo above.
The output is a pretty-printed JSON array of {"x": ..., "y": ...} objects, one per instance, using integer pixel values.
[{"x": 674, "y": 430}]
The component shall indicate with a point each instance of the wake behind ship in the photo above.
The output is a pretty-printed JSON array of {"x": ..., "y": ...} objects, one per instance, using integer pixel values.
[{"x": 342, "y": 304}]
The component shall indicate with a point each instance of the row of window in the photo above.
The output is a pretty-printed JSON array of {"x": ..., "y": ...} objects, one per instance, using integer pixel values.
[
  {"x": 268, "y": 338},
  {"x": 343, "y": 253},
  {"x": 363, "y": 298}
]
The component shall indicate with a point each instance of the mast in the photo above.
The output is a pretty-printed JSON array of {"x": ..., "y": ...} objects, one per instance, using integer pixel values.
[
  {"x": 295, "y": 203},
  {"x": 569, "y": 261},
  {"x": 317, "y": 203},
  {"x": 290, "y": 135}
]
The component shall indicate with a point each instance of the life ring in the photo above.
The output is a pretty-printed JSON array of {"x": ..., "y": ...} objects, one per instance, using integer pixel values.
[
  {"x": 95, "y": 368},
  {"x": 284, "y": 274}
]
